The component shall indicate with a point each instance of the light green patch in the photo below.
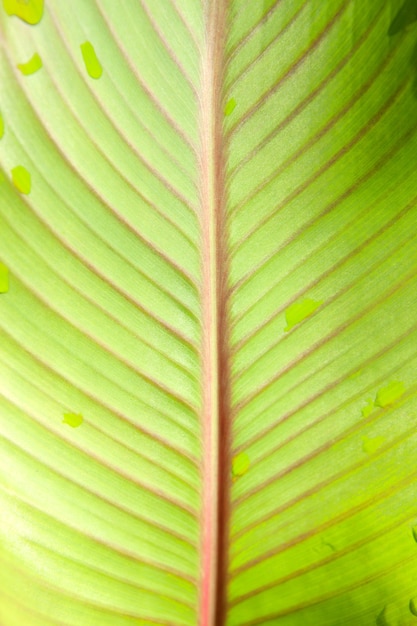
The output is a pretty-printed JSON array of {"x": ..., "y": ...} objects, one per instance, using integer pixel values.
[
  {"x": 372, "y": 444},
  {"x": 32, "y": 66},
  {"x": 4, "y": 278},
  {"x": 368, "y": 408},
  {"x": 356, "y": 374},
  {"x": 299, "y": 311},
  {"x": 21, "y": 179},
  {"x": 92, "y": 64},
  {"x": 30, "y": 11},
  {"x": 73, "y": 419},
  {"x": 389, "y": 394},
  {"x": 240, "y": 464},
  {"x": 1, "y": 126},
  {"x": 230, "y": 106}
]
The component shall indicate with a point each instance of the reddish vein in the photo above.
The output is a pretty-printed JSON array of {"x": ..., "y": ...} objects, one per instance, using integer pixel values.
[{"x": 215, "y": 368}]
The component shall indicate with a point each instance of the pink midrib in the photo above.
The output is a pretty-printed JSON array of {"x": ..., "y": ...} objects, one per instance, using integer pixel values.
[{"x": 215, "y": 368}]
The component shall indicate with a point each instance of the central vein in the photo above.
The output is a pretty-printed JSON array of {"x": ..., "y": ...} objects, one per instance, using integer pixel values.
[{"x": 216, "y": 431}]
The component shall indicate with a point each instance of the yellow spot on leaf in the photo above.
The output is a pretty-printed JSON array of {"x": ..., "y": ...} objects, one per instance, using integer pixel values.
[
  {"x": 21, "y": 179},
  {"x": 4, "y": 279},
  {"x": 368, "y": 408},
  {"x": 372, "y": 444},
  {"x": 92, "y": 64},
  {"x": 230, "y": 106},
  {"x": 32, "y": 66},
  {"x": 30, "y": 11},
  {"x": 240, "y": 464},
  {"x": 73, "y": 419},
  {"x": 1, "y": 126},
  {"x": 299, "y": 311},
  {"x": 390, "y": 394}
]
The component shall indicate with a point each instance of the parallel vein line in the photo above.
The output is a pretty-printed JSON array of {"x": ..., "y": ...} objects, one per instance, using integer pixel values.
[
  {"x": 113, "y": 410},
  {"x": 352, "y": 430},
  {"x": 76, "y": 598},
  {"x": 342, "y": 152},
  {"x": 120, "y": 218},
  {"x": 134, "y": 558},
  {"x": 298, "y": 63},
  {"x": 115, "y": 287},
  {"x": 264, "y": 51},
  {"x": 167, "y": 47},
  {"x": 332, "y": 557},
  {"x": 151, "y": 170},
  {"x": 145, "y": 88},
  {"x": 90, "y": 492},
  {"x": 252, "y": 32},
  {"x": 327, "y": 596},
  {"x": 331, "y": 270},
  {"x": 313, "y": 94},
  {"x": 389, "y": 293},
  {"x": 114, "y": 469}
]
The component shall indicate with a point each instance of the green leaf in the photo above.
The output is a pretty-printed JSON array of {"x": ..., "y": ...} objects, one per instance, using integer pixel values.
[{"x": 208, "y": 278}]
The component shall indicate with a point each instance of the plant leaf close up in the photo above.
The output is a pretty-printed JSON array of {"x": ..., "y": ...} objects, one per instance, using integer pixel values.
[{"x": 208, "y": 312}]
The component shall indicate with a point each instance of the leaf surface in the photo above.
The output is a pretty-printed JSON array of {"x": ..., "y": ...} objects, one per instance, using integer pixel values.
[{"x": 208, "y": 313}]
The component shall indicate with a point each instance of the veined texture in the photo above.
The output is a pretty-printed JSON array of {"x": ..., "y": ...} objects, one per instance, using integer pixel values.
[{"x": 208, "y": 320}]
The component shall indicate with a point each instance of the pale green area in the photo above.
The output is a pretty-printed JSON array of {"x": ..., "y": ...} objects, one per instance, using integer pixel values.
[
  {"x": 92, "y": 64},
  {"x": 30, "y": 67},
  {"x": 30, "y": 11},
  {"x": 390, "y": 394},
  {"x": 240, "y": 464},
  {"x": 101, "y": 443},
  {"x": 230, "y": 106},
  {"x": 299, "y": 311},
  {"x": 21, "y": 179},
  {"x": 372, "y": 444},
  {"x": 4, "y": 278},
  {"x": 368, "y": 408},
  {"x": 73, "y": 419}
]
